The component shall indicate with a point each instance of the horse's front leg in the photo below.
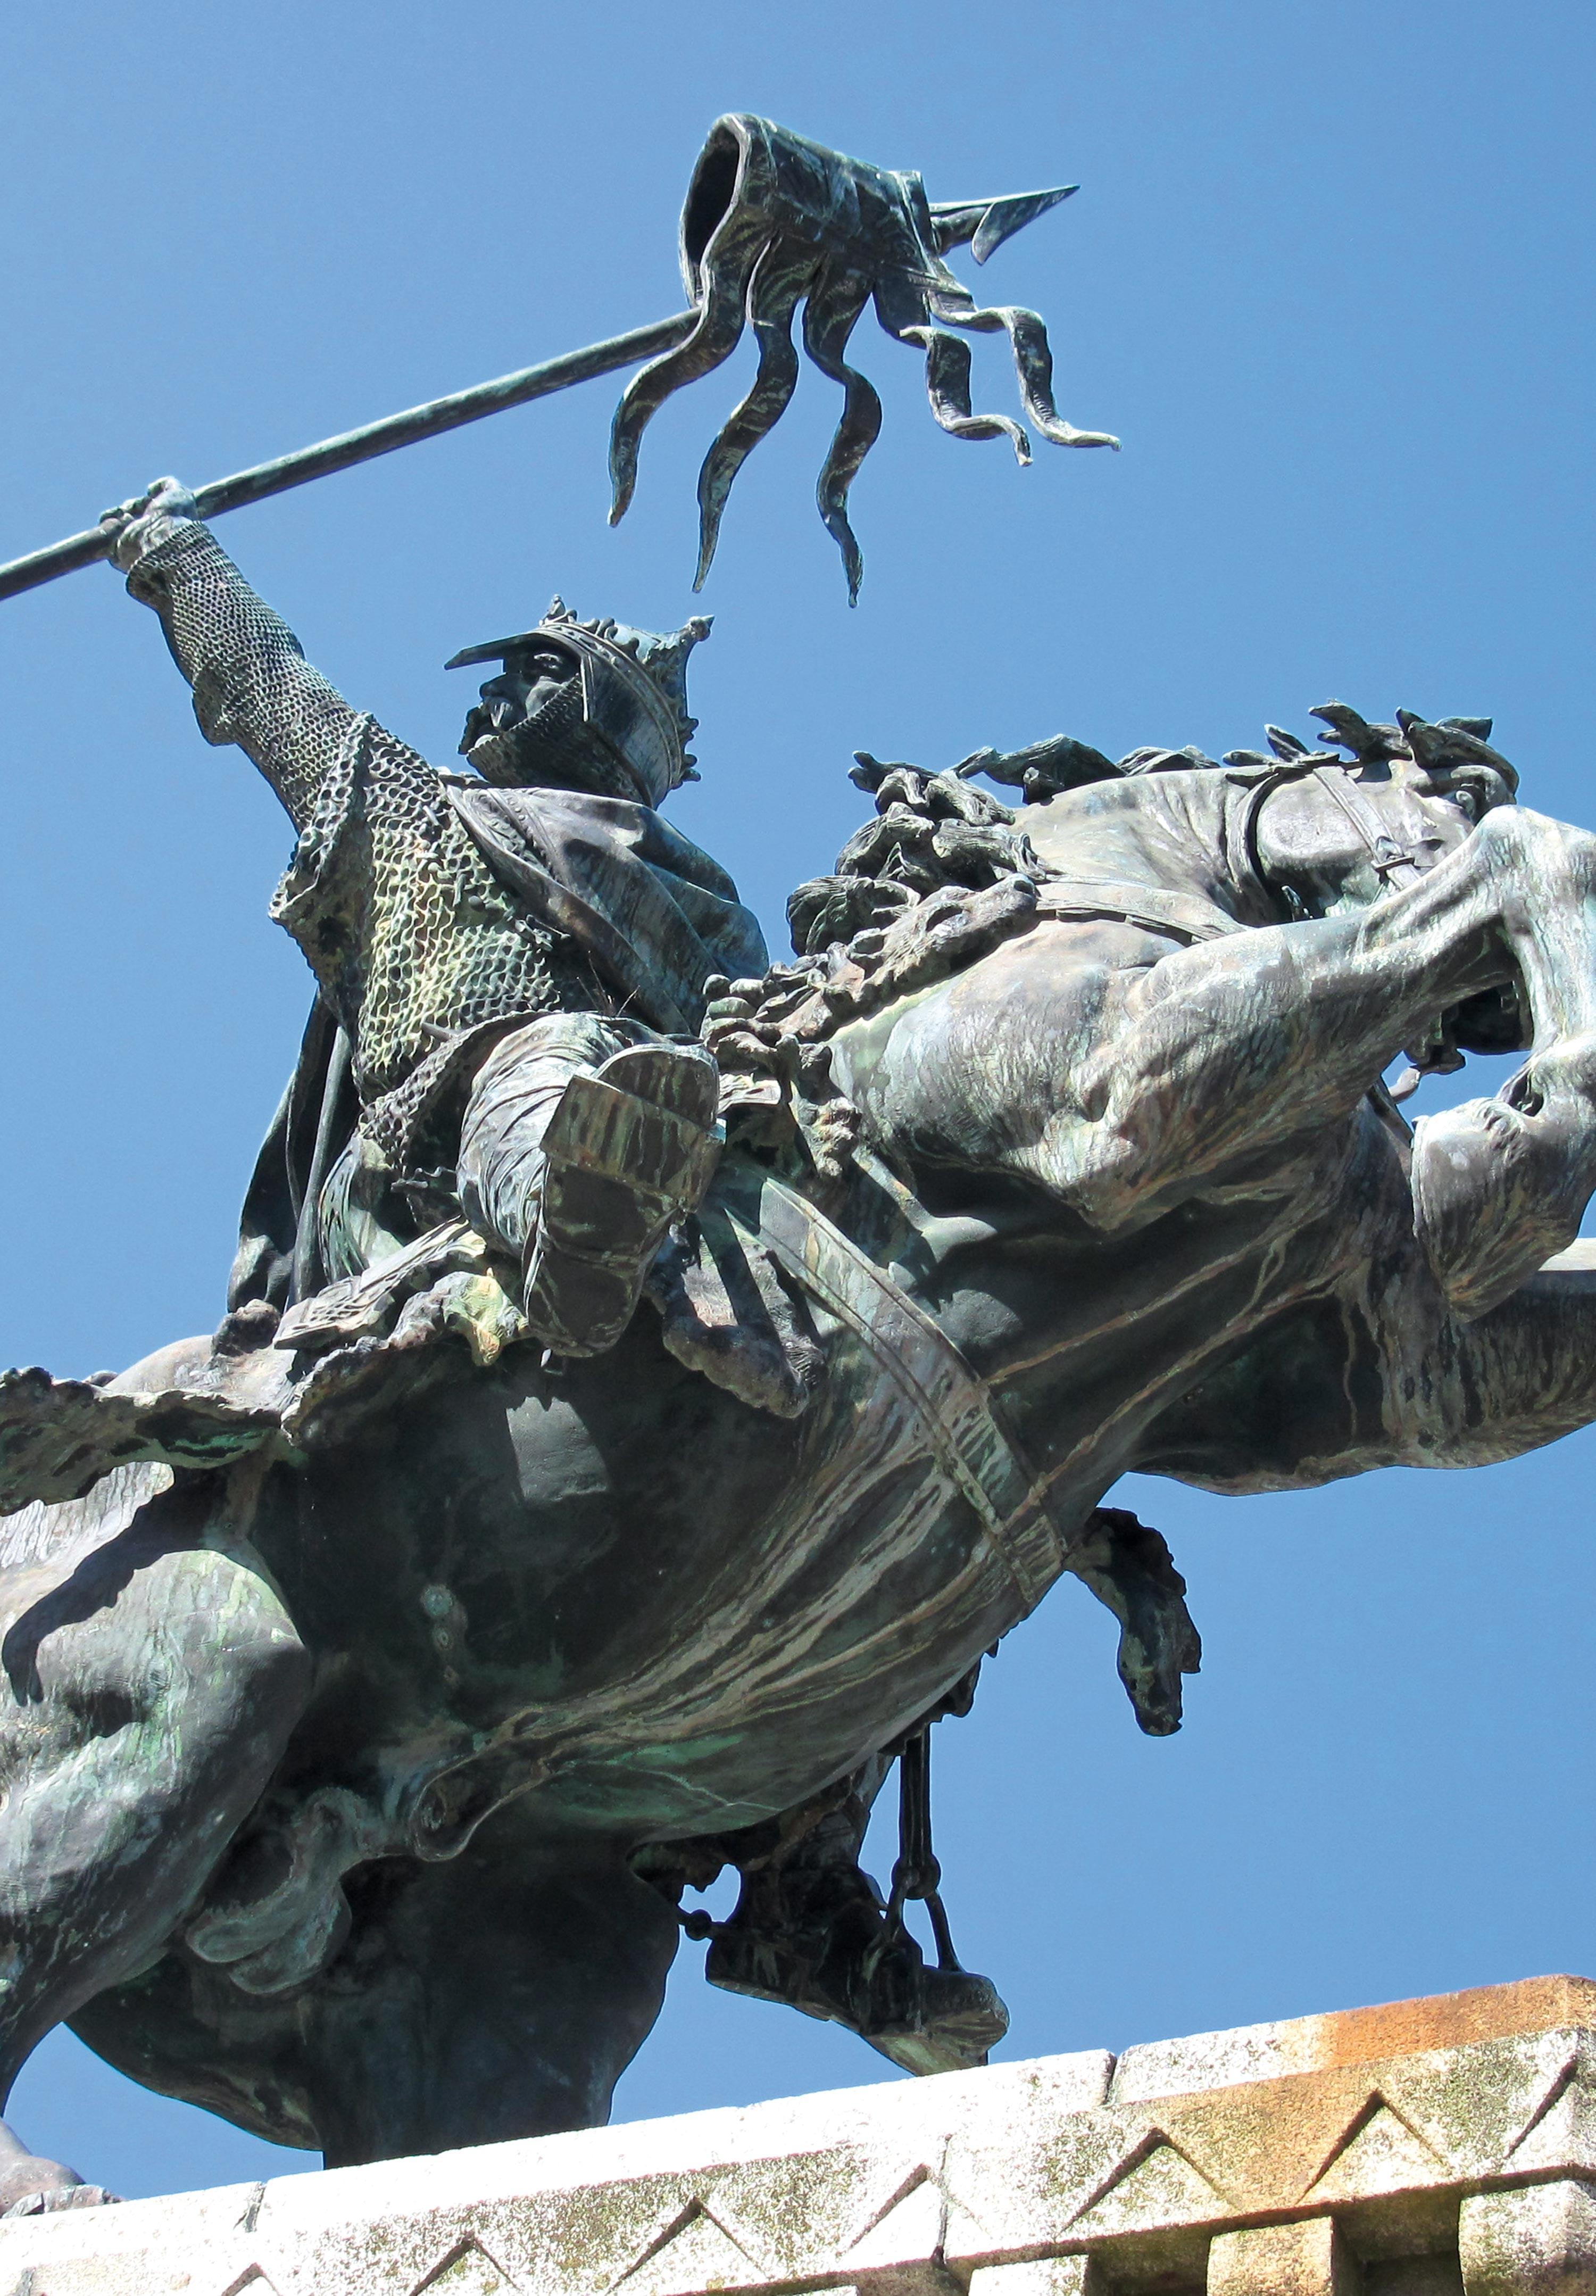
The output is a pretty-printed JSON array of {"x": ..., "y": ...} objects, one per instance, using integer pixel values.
[
  {"x": 1500, "y": 1184},
  {"x": 1297, "y": 1407},
  {"x": 1124, "y": 1073}
]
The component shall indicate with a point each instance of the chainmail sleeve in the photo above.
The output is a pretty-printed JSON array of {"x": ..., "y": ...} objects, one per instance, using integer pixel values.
[{"x": 252, "y": 685}]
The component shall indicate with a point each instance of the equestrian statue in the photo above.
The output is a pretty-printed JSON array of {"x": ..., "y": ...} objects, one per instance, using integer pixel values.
[{"x": 653, "y": 1378}]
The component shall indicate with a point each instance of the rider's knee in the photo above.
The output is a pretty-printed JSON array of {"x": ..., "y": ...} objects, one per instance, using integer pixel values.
[{"x": 512, "y": 1097}]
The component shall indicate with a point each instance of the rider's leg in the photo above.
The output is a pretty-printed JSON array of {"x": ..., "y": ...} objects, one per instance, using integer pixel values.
[
  {"x": 150, "y": 1687},
  {"x": 583, "y": 1139},
  {"x": 811, "y": 1929}
]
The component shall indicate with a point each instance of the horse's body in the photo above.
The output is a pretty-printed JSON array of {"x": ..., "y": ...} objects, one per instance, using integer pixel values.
[{"x": 1128, "y": 1163}]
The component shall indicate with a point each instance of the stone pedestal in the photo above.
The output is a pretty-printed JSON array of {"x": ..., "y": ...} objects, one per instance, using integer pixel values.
[{"x": 1422, "y": 2149}]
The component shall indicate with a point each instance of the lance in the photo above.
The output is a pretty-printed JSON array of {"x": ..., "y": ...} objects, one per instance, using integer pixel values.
[{"x": 771, "y": 221}]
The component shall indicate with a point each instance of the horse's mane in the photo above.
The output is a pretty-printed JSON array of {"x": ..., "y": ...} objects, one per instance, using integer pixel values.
[{"x": 938, "y": 877}]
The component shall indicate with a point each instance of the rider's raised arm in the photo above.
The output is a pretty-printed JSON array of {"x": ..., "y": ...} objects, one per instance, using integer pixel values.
[{"x": 252, "y": 685}]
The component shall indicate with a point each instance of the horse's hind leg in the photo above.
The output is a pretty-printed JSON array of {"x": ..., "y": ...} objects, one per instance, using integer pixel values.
[
  {"x": 499, "y": 1995},
  {"x": 148, "y": 1689}
]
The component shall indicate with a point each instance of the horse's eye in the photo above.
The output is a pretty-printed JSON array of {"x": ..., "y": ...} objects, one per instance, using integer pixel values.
[{"x": 1467, "y": 796}]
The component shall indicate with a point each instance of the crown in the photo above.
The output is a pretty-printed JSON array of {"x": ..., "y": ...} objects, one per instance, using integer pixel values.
[{"x": 662, "y": 659}]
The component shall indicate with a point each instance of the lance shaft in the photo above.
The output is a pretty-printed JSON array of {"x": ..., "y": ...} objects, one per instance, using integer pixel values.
[{"x": 384, "y": 438}]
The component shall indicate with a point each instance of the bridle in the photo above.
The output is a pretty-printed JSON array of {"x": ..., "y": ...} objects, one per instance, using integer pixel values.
[{"x": 1394, "y": 865}]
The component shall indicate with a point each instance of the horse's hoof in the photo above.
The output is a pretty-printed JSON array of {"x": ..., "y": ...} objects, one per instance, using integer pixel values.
[
  {"x": 56, "y": 2197},
  {"x": 1499, "y": 1186}
]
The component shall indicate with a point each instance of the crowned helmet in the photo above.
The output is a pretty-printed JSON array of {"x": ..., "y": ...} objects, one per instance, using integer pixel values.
[{"x": 619, "y": 725}]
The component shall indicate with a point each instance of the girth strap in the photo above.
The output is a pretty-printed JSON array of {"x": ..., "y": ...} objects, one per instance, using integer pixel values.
[
  {"x": 963, "y": 1428},
  {"x": 1158, "y": 908}
]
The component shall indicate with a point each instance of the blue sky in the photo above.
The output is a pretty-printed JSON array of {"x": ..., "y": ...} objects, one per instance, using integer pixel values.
[{"x": 1328, "y": 278}]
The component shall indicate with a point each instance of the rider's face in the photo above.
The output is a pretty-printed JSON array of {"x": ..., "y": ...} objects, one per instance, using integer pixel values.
[{"x": 522, "y": 687}]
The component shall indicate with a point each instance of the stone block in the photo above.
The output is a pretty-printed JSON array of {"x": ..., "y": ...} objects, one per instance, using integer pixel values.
[
  {"x": 1307, "y": 2258},
  {"x": 1539, "y": 2240},
  {"x": 1352, "y": 2037},
  {"x": 1050, "y": 2275}
]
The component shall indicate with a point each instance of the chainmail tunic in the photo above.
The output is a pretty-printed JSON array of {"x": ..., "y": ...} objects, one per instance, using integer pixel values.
[{"x": 415, "y": 943}]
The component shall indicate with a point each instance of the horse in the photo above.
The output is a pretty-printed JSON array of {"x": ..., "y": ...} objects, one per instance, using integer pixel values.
[{"x": 334, "y": 1764}]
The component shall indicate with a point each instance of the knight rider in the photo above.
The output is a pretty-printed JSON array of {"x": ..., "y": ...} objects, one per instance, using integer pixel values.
[{"x": 510, "y": 963}]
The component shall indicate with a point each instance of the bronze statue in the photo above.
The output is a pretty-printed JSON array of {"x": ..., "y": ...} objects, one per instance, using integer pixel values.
[{"x": 653, "y": 1379}]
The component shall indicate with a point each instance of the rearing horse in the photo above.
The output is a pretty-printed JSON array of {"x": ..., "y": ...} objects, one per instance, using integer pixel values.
[{"x": 327, "y": 1755}]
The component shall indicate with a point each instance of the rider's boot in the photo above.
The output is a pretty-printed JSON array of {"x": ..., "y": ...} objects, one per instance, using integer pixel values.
[
  {"x": 630, "y": 1149},
  {"x": 1499, "y": 1186},
  {"x": 584, "y": 1137},
  {"x": 818, "y": 1938}
]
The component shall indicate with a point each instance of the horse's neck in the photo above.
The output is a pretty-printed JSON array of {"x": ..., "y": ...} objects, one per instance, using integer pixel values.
[
  {"x": 952, "y": 1239},
  {"x": 1187, "y": 832}
]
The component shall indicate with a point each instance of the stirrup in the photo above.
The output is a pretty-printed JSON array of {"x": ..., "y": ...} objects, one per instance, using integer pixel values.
[{"x": 630, "y": 1149}]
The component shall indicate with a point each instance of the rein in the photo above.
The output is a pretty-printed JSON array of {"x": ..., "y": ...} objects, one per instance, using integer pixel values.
[
  {"x": 1123, "y": 1562},
  {"x": 1392, "y": 864}
]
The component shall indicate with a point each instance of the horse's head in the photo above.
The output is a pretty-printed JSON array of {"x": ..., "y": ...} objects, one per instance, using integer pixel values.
[{"x": 1336, "y": 834}]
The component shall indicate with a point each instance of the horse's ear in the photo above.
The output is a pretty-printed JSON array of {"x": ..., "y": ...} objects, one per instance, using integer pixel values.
[
  {"x": 1370, "y": 744},
  {"x": 1048, "y": 767},
  {"x": 1451, "y": 742}
]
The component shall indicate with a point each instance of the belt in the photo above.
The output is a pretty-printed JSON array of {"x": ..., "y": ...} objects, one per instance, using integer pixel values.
[
  {"x": 964, "y": 1430},
  {"x": 1160, "y": 908}
]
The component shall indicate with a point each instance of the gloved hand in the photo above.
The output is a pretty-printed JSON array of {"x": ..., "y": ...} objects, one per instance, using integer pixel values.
[{"x": 149, "y": 519}]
